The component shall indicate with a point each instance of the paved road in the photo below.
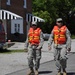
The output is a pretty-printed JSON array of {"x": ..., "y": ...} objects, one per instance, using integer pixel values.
[
  {"x": 17, "y": 61},
  {"x": 12, "y": 62},
  {"x": 49, "y": 67}
]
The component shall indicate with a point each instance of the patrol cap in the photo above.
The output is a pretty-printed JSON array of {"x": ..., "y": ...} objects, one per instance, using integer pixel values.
[
  {"x": 59, "y": 19},
  {"x": 34, "y": 23}
]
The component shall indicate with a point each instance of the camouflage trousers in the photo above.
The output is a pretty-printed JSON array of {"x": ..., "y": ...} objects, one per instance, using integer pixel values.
[
  {"x": 60, "y": 56},
  {"x": 34, "y": 57}
]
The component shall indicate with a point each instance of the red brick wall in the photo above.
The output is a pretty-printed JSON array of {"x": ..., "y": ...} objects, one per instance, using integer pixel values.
[
  {"x": 29, "y": 5},
  {"x": 16, "y": 6},
  {"x": 3, "y": 4}
]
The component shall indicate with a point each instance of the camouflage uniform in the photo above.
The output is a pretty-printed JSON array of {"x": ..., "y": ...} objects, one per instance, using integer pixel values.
[
  {"x": 60, "y": 50},
  {"x": 34, "y": 52}
]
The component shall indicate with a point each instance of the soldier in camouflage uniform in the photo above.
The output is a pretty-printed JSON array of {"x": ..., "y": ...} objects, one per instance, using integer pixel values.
[
  {"x": 62, "y": 43},
  {"x": 34, "y": 44}
]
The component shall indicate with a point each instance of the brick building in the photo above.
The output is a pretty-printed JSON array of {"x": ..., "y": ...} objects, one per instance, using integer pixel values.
[{"x": 17, "y": 17}]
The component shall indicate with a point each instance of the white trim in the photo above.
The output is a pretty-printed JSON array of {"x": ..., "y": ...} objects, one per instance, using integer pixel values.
[
  {"x": 4, "y": 15},
  {"x": 25, "y": 3},
  {"x": 8, "y": 2},
  {"x": 32, "y": 18},
  {"x": 27, "y": 17},
  {"x": 0, "y": 14},
  {"x": 9, "y": 15}
]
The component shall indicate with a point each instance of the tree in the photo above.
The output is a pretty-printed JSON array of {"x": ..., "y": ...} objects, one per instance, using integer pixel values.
[{"x": 49, "y": 10}]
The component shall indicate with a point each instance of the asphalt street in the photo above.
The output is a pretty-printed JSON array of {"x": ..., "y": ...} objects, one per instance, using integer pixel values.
[
  {"x": 49, "y": 67},
  {"x": 12, "y": 62},
  {"x": 17, "y": 63}
]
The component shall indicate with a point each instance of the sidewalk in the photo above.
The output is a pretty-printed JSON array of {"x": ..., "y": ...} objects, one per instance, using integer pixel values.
[{"x": 17, "y": 61}]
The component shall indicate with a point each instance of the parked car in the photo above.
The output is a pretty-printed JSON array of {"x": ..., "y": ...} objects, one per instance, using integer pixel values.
[
  {"x": 46, "y": 36},
  {"x": 3, "y": 44}
]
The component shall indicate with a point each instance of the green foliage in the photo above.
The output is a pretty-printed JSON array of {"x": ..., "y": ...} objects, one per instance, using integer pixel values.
[
  {"x": 49, "y": 10},
  {"x": 73, "y": 36}
]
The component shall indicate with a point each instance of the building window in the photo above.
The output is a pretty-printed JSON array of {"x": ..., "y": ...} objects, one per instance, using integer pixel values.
[
  {"x": 8, "y": 2},
  {"x": 17, "y": 26},
  {"x": 25, "y": 4}
]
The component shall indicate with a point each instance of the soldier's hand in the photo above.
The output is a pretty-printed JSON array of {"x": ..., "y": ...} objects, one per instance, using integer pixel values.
[
  {"x": 69, "y": 49},
  {"x": 39, "y": 48},
  {"x": 49, "y": 47}
]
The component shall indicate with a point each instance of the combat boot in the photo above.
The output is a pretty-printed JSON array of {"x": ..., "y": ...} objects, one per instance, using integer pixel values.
[
  {"x": 59, "y": 72},
  {"x": 64, "y": 72},
  {"x": 31, "y": 71},
  {"x": 36, "y": 72}
]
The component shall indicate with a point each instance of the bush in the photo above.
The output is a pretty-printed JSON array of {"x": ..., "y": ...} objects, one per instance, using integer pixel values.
[{"x": 73, "y": 36}]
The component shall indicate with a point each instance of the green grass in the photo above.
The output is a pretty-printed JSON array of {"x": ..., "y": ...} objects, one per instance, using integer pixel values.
[
  {"x": 11, "y": 51},
  {"x": 73, "y": 36}
]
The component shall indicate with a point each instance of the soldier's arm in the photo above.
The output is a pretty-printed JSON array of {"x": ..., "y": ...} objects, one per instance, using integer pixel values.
[
  {"x": 41, "y": 40},
  {"x": 68, "y": 36},
  {"x": 50, "y": 39},
  {"x": 26, "y": 43}
]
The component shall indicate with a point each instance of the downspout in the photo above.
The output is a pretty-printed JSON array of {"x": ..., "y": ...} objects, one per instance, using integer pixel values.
[{"x": 0, "y": 4}]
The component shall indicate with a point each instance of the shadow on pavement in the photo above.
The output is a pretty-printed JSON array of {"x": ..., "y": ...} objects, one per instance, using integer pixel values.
[
  {"x": 44, "y": 72},
  {"x": 4, "y": 51},
  {"x": 71, "y": 73}
]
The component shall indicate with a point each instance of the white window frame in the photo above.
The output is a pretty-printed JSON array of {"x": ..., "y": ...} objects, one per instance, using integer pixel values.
[
  {"x": 25, "y": 3},
  {"x": 19, "y": 26},
  {"x": 8, "y": 2}
]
